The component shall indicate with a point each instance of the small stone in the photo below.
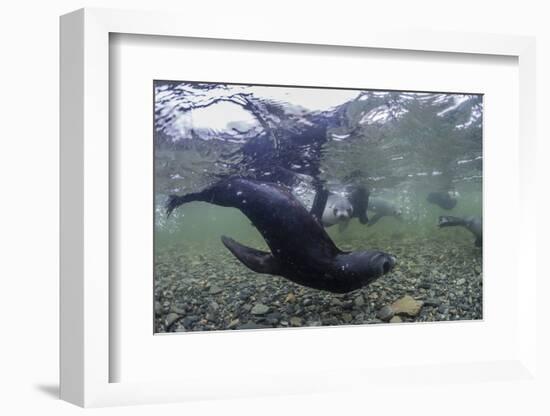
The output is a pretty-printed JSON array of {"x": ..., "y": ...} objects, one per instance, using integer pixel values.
[
  {"x": 158, "y": 308},
  {"x": 234, "y": 323},
  {"x": 259, "y": 309},
  {"x": 443, "y": 309},
  {"x": 432, "y": 302},
  {"x": 274, "y": 316},
  {"x": 307, "y": 302},
  {"x": 214, "y": 290},
  {"x": 336, "y": 302},
  {"x": 171, "y": 318},
  {"x": 330, "y": 321},
  {"x": 348, "y": 304},
  {"x": 424, "y": 285},
  {"x": 359, "y": 301},
  {"x": 395, "y": 320},
  {"x": 290, "y": 298},
  {"x": 188, "y": 321},
  {"x": 347, "y": 317},
  {"x": 461, "y": 281},
  {"x": 478, "y": 269},
  {"x": 386, "y": 313},
  {"x": 296, "y": 321},
  {"x": 407, "y": 305}
]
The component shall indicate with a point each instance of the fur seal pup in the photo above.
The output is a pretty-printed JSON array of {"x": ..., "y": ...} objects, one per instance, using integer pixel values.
[
  {"x": 445, "y": 199},
  {"x": 301, "y": 249},
  {"x": 382, "y": 208},
  {"x": 338, "y": 210},
  {"x": 472, "y": 224}
]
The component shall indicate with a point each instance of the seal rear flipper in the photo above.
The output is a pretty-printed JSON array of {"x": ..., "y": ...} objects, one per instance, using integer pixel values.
[
  {"x": 448, "y": 221},
  {"x": 256, "y": 260},
  {"x": 373, "y": 220},
  {"x": 175, "y": 201},
  {"x": 363, "y": 219}
]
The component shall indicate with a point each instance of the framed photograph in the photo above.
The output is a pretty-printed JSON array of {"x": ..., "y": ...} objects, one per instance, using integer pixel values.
[
  {"x": 321, "y": 209},
  {"x": 307, "y": 171}
]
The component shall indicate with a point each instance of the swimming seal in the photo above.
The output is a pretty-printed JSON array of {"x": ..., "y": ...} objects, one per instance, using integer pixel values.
[
  {"x": 382, "y": 208},
  {"x": 444, "y": 199},
  {"x": 301, "y": 250},
  {"x": 472, "y": 224},
  {"x": 338, "y": 210}
]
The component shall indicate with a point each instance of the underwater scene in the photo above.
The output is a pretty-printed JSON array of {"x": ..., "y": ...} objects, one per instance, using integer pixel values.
[{"x": 283, "y": 206}]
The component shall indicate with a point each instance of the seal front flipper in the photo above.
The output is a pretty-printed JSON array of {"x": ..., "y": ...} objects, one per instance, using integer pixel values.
[
  {"x": 256, "y": 260},
  {"x": 359, "y": 199},
  {"x": 342, "y": 226},
  {"x": 319, "y": 203}
]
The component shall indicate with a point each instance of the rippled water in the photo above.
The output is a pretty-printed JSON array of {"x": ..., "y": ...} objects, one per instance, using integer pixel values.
[{"x": 400, "y": 145}]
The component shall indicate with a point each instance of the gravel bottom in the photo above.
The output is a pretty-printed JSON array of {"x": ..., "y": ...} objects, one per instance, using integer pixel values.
[{"x": 198, "y": 289}]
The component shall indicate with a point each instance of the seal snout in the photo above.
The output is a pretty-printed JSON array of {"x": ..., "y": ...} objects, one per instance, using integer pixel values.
[
  {"x": 388, "y": 264},
  {"x": 384, "y": 263}
]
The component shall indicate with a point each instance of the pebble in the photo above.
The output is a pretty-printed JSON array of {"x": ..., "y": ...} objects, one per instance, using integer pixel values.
[
  {"x": 290, "y": 298},
  {"x": 158, "y": 308},
  {"x": 214, "y": 290},
  {"x": 407, "y": 305},
  {"x": 432, "y": 302},
  {"x": 259, "y": 309},
  {"x": 348, "y": 304},
  {"x": 386, "y": 313},
  {"x": 296, "y": 321},
  {"x": 347, "y": 317},
  {"x": 188, "y": 321},
  {"x": 395, "y": 320},
  {"x": 171, "y": 318},
  {"x": 359, "y": 301},
  {"x": 336, "y": 302}
]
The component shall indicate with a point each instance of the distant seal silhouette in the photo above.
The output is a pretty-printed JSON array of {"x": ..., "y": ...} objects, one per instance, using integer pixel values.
[
  {"x": 472, "y": 224},
  {"x": 338, "y": 210},
  {"x": 382, "y": 208},
  {"x": 301, "y": 250},
  {"x": 445, "y": 199}
]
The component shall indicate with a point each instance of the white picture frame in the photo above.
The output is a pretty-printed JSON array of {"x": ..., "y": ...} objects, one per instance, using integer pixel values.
[{"x": 85, "y": 355}]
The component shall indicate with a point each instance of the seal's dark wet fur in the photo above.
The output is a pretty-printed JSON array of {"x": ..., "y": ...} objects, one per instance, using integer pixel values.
[{"x": 301, "y": 250}]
